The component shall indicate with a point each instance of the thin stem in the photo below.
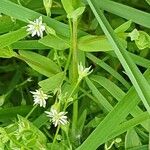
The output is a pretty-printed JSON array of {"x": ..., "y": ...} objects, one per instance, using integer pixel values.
[
  {"x": 74, "y": 71},
  {"x": 55, "y": 137},
  {"x": 31, "y": 111},
  {"x": 68, "y": 140},
  {"x": 74, "y": 52},
  {"x": 47, "y": 133},
  {"x": 70, "y": 95},
  {"x": 70, "y": 51}
]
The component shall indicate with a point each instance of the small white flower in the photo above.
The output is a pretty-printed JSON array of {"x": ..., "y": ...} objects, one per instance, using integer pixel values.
[
  {"x": 36, "y": 27},
  {"x": 83, "y": 72},
  {"x": 39, "y": 98},
  {"x": 57, "y": 118}
]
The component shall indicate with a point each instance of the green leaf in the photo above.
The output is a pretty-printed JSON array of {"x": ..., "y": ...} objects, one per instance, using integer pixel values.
[
  {"x": 132, "y": 139},
  {"x": 124, "y": 11},
  {"x": 101, "y": 100},
  {"x": 118, "y": 94},
  {"x": 52, "y": 83},
  {"x": 24, "y": 14},
  {"x": 7, "y": 53},
  {"x": 81, "y": 121},
  {"x": 9, "y": 38},
  {"x": 48, "y": 5},
  {"x": 29, "y": 44},
  {"x": 67, "y": 6},
  {"x": 54, "y": 42},
  {"x": 124, "y": 27},
  {"x": 39, "y": 63},
  {"x": 92, "y": 43},
  {"x": 148, "y": 1},
  {"x": 134, "y": 35},
  {"x": 123, "y": 127},
  {"x": 136, "y": 77},
  {"x": 76, "y": 13},
  {"x": 22, "y": 110},
  {"x": 6, "y": 24},
  {"x": 109, "y": 69},
  {"x": 112, "y": 120},
  {"x": 40, "y": 120},
  {"x": 143, "y": 40}
]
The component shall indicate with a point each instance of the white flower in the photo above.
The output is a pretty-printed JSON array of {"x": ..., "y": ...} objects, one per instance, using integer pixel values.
[
  {"x": 39, "y": 97},
  {"x": 57, "y": 118},
  {"x": 36, "y": 27},
  {"x": 83, "y": 72}
]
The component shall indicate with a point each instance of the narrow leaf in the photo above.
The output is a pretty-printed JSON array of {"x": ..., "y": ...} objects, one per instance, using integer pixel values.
[
  {"x": 52, "y": 83},
  {"x": 9, "y": 38},
  {"x": 39, "y": 63}
]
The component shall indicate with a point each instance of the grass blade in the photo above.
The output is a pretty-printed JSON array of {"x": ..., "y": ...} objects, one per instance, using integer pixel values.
[
  {"x": 112, "y": 120},
  {"x": 129, "y": 13},
  {"x": 136, "y": 77}
]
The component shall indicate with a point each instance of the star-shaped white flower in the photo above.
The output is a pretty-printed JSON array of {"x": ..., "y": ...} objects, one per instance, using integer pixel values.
[
  {"x": 57, "y": 118},
  {"x": 40, "y": 98},
  {"x": 36, "y": 27},
  {"x": 83, "y": 72}
]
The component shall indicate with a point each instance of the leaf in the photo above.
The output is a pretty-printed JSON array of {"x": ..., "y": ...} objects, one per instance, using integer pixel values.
[
  {"x": 123, "y": 127},
  {"x": 29, "y": 44},
  {"x": 39, "y": 63},
  {"x": 22, "y": 110},
  {"x": 105, "y": 127},
  {"x": 124, "y": 11},
  {"x": 47, "y": 5},
  {"x": 67, "y": 6},
  {"x": 132, "y": 139},
  {"x": 92, "y": 43},
  {"x": 54, "y": 42},
  {"x": 148, "y": 1},
  {"x": 7, "y": 53},
  {"x": 143, "y": 40},
  {"x": 118, "y": 94},
  {"x": 109, "y": 69},
  {"x": 81, "y": 121},
  {"x": 40, "y": 120},
  {"x": 108, "y": 125},
  {"x": 9, "y": 38},
  {"x": 124, "y": 27},
  {"x": 24, "y": 14},
  {"x": 6, "y": 24},
  {"x": 101, "y": 100},
  {"x": 134, "y": 35},
  {"x": 52, "y": 83},
  {"x": 136, "y": 77},
  {"x": 76, "y": 13}
]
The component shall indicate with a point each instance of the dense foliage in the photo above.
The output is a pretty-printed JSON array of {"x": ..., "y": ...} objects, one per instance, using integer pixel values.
[{"x": 74, "y": 74}]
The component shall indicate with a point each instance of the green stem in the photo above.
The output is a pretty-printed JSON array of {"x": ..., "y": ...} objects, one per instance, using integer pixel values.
[
  {"x": 70, "y": 95},
  {"x": 74, "y": 52},
  {"x": 70, "y": 51},
  {"x": 55, "y": 137},
  {"x": 31, "y": 111},
  {"x": 74, "y": 72}
]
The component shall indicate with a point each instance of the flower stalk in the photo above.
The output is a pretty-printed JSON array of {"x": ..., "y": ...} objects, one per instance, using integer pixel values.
[{"x": 74, "y": 70}]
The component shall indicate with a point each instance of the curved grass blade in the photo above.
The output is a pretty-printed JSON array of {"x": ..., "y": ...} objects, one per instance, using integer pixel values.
[
  {"x": 108, "y": 69},
  {"x": 129, "y": 13},
  {"x": 112, "y": 120},
  {"x": 101, "y": 99},
  {"x": 118, "y": 94},
  {"x": 139, "y": 82}
]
